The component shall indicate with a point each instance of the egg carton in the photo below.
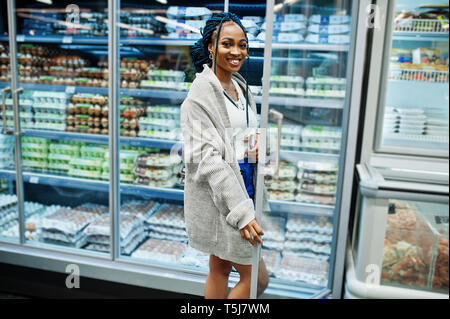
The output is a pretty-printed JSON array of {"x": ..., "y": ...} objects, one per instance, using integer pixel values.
[
  {"x": 317, "y": 224},
  {"x": 286, "y": 26},
  {"x": 274, "y": 227},
  {"x": 173, "y": 135},
  {"x": 272, "y": 260},
  {"x": 303, "y": 269},
  {"x": 168, "y": 215},
  {"x": 195, "y": 258},
  {"x": 84, "y": 173},
  {"x": 165, "y": 236},
  {"x": 161, "y": 250},
  {"x": 309, "y": 236}
]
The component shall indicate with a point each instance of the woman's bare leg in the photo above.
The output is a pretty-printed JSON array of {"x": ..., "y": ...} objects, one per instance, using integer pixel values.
[
  {"x": 216, "y": 286},
  {"x": 242, "y": 288}
]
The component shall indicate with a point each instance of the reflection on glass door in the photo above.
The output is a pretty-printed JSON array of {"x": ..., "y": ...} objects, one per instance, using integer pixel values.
[{"x": 416, "y": 119}]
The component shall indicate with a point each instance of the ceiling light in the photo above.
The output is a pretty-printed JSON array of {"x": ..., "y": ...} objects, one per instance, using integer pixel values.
[{"x": 50, "y": 2}]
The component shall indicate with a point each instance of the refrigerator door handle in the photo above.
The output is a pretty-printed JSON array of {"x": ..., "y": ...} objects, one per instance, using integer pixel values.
[
  {"x": 279, "y": 117},
  {"x": 16, "y": 93},
  {"x": 6, "y": 89}
]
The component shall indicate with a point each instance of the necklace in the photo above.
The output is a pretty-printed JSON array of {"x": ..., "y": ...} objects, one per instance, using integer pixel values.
[{"x": 240, "y": 106}]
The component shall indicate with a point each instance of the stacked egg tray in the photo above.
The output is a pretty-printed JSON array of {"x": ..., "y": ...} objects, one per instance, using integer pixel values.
[
  {"x": 88, "y": 113},
  {"x": 26, "y": 102},
  {"x": 162, "y": 121},
  {"x": 161, "y": 250},
  {"x": 132, "y": 233},
  {"x": 309, "y": 138},
  {"x": 167, "y": 223},
  {"x": 8, "y": 211},
  {"x": 142, "y": 208},
  {"x": 323, "y": 139},
  {"x": 35, "y": 153},
  {"x": 60, "y": 153},
  {"x": 131, "y": 111},
  {"x": 274, "y": 232},
  {"x": 133, "y": 71},
  {"x": 308, "y": 182},
  {"x": 6, "y": 151},
  {"x": 165, "y": 79},
  {"x": 297, "y": 248},
  {"x": 287, "y": 85},
  {"x": 126, "y": 165},
  {"x": 290, "y": 136},
  {"x": 309, "y": 236},
  {"x": 326, "y": 86},
  {"x": 65, "y": 227},
  {"x": 50, "y": 110},
  {"x": 157, "y": 170},
  {"x": 90, "y": 162}
]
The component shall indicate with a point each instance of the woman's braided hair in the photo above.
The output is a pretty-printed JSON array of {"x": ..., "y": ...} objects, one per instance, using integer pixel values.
[{"x": 199, "y": 51}]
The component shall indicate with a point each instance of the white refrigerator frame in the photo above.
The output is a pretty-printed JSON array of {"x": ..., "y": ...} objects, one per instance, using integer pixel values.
[{"x": 115, "y": 268}]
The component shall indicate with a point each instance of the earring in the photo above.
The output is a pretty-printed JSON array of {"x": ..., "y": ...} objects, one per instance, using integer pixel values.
[{"x": 211, "y": 55}]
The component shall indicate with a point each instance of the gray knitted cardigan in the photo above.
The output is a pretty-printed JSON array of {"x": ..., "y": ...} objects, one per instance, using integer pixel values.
[{"x": 216, "y": 203}]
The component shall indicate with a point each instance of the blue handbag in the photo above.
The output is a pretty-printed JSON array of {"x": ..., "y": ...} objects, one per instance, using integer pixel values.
[{"x": 247, "y": 170}]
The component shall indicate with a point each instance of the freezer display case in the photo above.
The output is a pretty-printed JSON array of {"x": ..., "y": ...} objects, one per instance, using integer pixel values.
[
  {"x": 97, "y": 173},
  {"x": 400, "y": 247},
  {"x": 415, "y": 113}
]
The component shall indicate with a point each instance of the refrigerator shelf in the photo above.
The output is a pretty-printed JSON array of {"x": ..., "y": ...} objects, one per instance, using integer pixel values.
[
  {"x": 101, "y": 139},
  {"x": 179, "y": 96},
  {"x": 418, "y": 75},
  {"x": 421, "y": 27},
  {"x": 157, "y": 192},
  {"x": 59, "y": 39}
]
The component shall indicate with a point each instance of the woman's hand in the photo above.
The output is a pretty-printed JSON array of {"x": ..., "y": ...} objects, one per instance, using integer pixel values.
[
  {"x": 252, "y": 229},
  {"x": 253, "y": 153}
]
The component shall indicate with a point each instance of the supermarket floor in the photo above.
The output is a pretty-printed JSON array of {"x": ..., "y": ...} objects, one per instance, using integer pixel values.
[
  {"x": 6, "y": 295},
  {"x": 24, "y": 282}
]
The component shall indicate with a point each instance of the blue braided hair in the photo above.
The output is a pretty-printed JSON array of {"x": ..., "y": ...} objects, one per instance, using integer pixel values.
[{"x": 199, "y": 51}]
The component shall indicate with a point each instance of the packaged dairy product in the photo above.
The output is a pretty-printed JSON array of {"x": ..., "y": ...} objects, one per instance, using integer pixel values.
[
  {"x": 329, "y": 29},
  {"x": 291, "y": 26},
  {"x": 177, "y": 12},
  {"x": 329, "y": 19},
  {"x": 282, "y": 37},
  {"x": 327, "y": 38},
  {"x": 290, "y": 17}
]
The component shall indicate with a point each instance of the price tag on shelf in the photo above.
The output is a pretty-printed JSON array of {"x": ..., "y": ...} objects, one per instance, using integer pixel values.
[
  {"x": 20, "y": 38},
  {"x": 34, "y": 180},
  {"x": 67, "y": 39},
  {"x": 70, "y": 89}
]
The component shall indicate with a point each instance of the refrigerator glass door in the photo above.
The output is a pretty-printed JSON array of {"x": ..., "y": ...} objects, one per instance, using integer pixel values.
[
  {"x": 413, "y": 117},
  {"x": 57, "y": 87},
  {"x": 156, "y": 72},
  {"x": 308, "y": 86},
  {"x": 8, "y": 199}
]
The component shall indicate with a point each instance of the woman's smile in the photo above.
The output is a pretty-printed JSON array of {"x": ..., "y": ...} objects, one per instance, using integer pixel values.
[{"x": 235, "y": 62}]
